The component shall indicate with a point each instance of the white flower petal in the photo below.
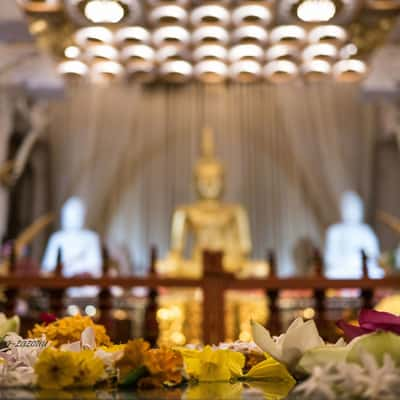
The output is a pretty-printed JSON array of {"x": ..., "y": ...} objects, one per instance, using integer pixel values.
[
  {"x": 263, "y": 339},
  {"x": 88, "y": 338},
  {"x": 74, "y": 346}
]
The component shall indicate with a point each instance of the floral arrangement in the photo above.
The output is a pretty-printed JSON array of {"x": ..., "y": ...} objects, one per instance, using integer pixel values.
[
  {"x": 366, "y": 367},
  {"x": 74, "y": 352}
]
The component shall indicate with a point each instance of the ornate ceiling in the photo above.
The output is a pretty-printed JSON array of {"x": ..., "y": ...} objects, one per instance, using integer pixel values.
[{"x": 242, "y": 40}]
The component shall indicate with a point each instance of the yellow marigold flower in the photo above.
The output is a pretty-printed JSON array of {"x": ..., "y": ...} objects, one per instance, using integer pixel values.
[
  {"x": 133, "y": 356},
  {"x": 113, "y": 348},
  {"x": 209, "y": 365},
  {"x": 69, "y": 329},
  {"x": 165, "y": 367},
  {"x": 90, "y": 369},
  {"x": 55, "y": 369}
]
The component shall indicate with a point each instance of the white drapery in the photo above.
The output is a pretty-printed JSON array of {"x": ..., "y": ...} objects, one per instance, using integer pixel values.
[
  {"x": 289, "y": 151},
  {"x": 6, "y": 125}
]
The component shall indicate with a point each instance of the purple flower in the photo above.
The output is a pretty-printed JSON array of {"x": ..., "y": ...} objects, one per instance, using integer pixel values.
[{"x": 371, "y": 321}]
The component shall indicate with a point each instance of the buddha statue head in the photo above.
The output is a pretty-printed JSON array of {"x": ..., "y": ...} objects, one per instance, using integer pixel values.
[
  {"x": 73, "y": 214},
  {"x": 209, "y": 173},
  {"x": 352, "y": 208}
]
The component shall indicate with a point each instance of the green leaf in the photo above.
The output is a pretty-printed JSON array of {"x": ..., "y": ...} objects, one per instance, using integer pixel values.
[{"x": 133, "y": 376}]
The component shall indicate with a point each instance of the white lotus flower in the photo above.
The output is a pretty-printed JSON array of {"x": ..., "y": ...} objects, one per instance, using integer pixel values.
[
  {"x": 87, "y": 342},
  {"x": 289, "y": 347}
]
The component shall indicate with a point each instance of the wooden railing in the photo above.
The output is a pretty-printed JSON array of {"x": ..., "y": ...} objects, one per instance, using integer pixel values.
[{"x": 214, "y": 283}]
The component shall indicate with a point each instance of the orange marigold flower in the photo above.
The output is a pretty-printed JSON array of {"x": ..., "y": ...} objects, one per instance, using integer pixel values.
[
  {"x": 165, "y": 366},
  {"x": 133, "y": 356},
  {"x": 68, "y": 330}
]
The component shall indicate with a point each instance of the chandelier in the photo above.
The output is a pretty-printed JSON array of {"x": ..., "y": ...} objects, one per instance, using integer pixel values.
[{"x": 212, "y": 42}]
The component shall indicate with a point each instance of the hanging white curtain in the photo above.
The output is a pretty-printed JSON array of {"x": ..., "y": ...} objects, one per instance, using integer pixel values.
[
  {"x": 288, "y": 151},
  {"x": 6, "y": 124}
]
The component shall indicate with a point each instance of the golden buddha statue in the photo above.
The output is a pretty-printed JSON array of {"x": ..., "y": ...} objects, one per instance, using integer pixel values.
[{"x": 211, "y": 223}]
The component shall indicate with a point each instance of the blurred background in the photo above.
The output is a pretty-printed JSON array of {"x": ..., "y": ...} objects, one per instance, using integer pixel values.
[{"x": 183, "y": 126}]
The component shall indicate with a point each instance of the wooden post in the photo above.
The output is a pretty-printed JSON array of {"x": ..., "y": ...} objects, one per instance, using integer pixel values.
[
  {"x": 367, "y": 294},
  {"x": 213, "y": 298},
  {"x": 151, "y": 329},
  {"x": 153, "y": 259},
  {"x": 105, "y": 300},
  {"x": 11, "y": 294},
  {"x": 319, "y": 294},
  {"x": 57, "y": 295},
  {"x": 274, "y": 323}
]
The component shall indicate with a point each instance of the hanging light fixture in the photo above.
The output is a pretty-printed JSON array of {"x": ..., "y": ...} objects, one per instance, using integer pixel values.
[
  {"x": 250, "y": 34},
  {"x": 173, "y": 34},
  {"x": 282, "y": 51},
  {"x": 319, "y": 51},
  {"x": 106, "y": 70},
  {"x": 210, "y": 14},
  {"x": 245, "y": 71},
  {"x": 279, "y": 71},
  {"x": 210, "y": 51},
  {"x": 314, "y": 70},
  {"x": 171, "y": 53},
  {"x": 137, "y": 52},
  {"x": 168, "y": 14},
  {"x": 316, "y": 10},
  {"x": 140, "y": 71},
  {"x": 289, "y": 34},
  {"x": 101, "y": 52},
  {"x": 93, "y": 35},
  {"x": 246, "y": 51},
  {"x": 350, "y": 70},
  {"x": 210, "y": 34},
  {"x": 334, "y": 34},
  {"x": 72, "y": 68},
  {"x": 132, "y": 35},
  {"x": 211, "y": 71},
  {"x": 104, "y": 11},
  {"x": 252, "y": 13},
  {"x": 177, "y": 71}
]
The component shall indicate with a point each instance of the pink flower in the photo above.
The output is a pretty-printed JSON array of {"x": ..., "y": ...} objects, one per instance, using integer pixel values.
[
  {"x": 47, "y": 318},
  {"x": 371, "y": 321}
]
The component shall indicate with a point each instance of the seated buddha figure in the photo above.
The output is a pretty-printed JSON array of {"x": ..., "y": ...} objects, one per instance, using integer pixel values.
[
  {"x": 209, "y": 224},
  {"x": 80, "y": 248},
  {"x": 346, "y": 240}
]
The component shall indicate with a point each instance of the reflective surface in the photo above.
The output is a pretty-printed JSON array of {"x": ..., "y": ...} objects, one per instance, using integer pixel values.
[{"x": 256, "y": 390}]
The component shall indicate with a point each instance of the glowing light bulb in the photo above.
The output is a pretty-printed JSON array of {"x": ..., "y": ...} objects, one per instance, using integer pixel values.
[
  {"x": 316, "y": 10},
  {"x": 72, "y": 52},
  {"x": 90, "y": 310},
  {"x": 104, "y": 11},
  {"x": 73, "y": 309}
]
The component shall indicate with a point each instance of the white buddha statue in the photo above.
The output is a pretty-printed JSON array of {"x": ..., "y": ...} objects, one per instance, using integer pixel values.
[
  {"x": 345, "y": 240},
  {"x": 80, "y": 248}
]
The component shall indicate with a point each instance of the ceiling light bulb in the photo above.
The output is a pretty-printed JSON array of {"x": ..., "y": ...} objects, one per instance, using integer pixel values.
[
  {"x": 104, "y": 11},
  {"x": 72, "y": 52},
  {"x": 348, "y": 51},
  {"x": 316, "y": 10}
]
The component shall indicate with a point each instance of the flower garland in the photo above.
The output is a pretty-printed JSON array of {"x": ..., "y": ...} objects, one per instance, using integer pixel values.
[{"x": 74, "y": 352}]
